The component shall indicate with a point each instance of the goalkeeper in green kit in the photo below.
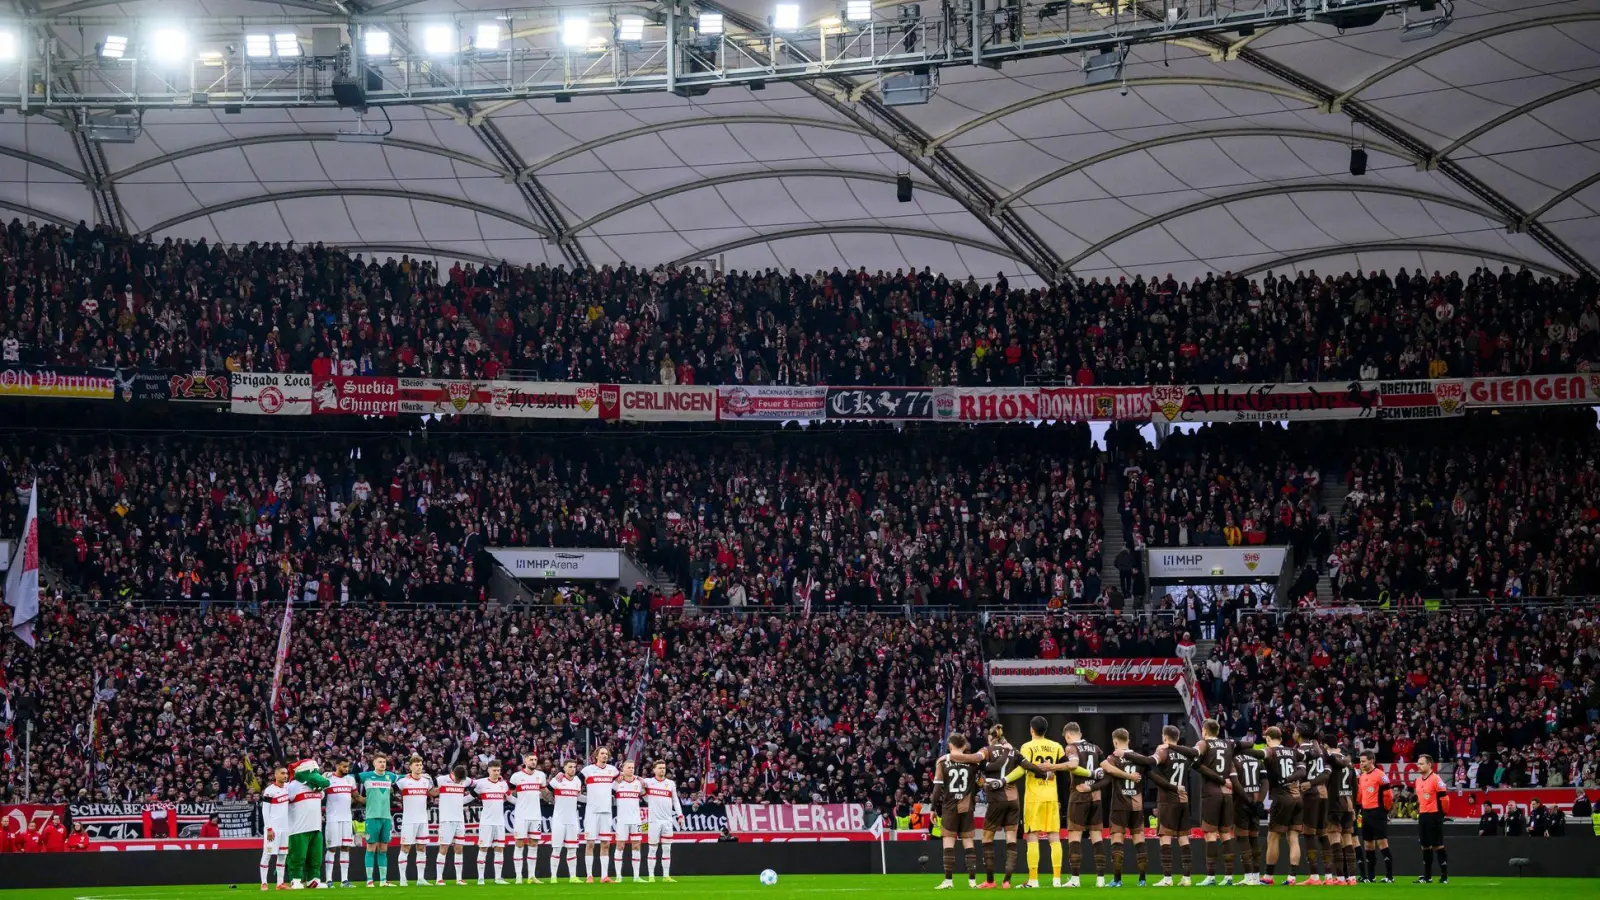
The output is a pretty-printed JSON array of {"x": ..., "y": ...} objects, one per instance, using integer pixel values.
[{"x": 377, "y": 786}]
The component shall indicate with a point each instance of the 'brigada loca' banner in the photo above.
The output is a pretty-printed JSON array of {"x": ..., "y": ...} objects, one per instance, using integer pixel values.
[
  {"x": 1299, "y": 401},
  {"x": 340, "y": 395},
  {"x": 786, "y": 818},
  {"x": 771, "y": 403},
  {"x": 1028, "y": 404},
  {"x": 270, "y": 394},
  {"x": 658, "y": 403},
  {"x": 881, "y": 404},
  {"x": 1142, "y": 672},
  {"x": 63, "y": 382}
]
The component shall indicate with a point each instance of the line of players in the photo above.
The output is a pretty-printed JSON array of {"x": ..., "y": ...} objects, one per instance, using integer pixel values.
[
  {"x": 290, "y": 809},
  {"x": 1310, "y": 790}
]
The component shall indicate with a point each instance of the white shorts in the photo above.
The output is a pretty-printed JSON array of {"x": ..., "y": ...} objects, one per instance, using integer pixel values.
[
  {"x": 526, "y": 828},
  {"x": 627, "y": 831},
  {"x": 278, "y": 845},
  {"x": 597, "y": 826},
  {"x": 491, "y": 834},
  {"x": 563, "y": 834},
  {"x": 451, "y": 833},
  {"x": 413, "y": 832},
  {"x": 338, "y": 834},
  {"x": 661, "y": 829}
]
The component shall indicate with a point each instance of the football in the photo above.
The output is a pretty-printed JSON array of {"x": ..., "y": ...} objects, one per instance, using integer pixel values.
[{"x": 769, "y": 877}]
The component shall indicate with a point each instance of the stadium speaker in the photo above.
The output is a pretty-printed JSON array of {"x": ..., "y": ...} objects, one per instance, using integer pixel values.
[
  {"x": 349, "y": 93},
  {"x": 1358, "y": 161},
  {"x": 902, "y": 188}
]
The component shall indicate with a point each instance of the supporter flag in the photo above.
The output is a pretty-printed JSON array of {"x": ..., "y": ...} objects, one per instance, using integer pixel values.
[
  {"x": 283, "y": 651},
  {"x": 22, "y": 580}
]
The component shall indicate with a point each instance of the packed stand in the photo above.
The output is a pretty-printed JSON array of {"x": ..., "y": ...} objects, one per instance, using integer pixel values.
[
  {"x": 1498, "y": 508},
  {"x": 86, "y": 296},
  {"x": 752, "y": 708}
]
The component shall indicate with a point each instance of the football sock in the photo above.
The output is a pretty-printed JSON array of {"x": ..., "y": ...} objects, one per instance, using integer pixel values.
[
  {"x": 666, "y": 859},
  {"x": 970, "y": 854},
  {"x": 988, "y": 862},
  {"x": 1099, "y": 857},
  {"x": 1033, "y": 860},
  {"x": 1116, "y": 861},
  {"x": 1427, "y": 862},
  {"x": 1211, "y": 857},
  {"x": 1444, "y": 863},
  {"x": 949, "y": 862},
  {"x": 1188, "y": 859},
  {"x": 1166, "y": 860},
  {"x": 1055, "y": 859},
  {"x": 1388, "y": 863},
  {"x": 1011, "y": 859},
  {"x": 266, "y": 867},
  {"x": 1075, "y": 855}
]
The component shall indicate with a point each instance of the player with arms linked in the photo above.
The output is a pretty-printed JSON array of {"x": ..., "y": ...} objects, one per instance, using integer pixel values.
[
  {"x": 955, "y": 791},
  {"x": 996, "y": 761},
  {"x": 1127, "y": 768},
  {"x": 1214, "y": 757}
]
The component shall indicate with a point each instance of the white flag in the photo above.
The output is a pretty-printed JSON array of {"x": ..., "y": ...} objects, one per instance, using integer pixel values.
[
  {"x": 876, "y": 829},
  {"x": 283, "y": 651},
  {"x": 22, "y": 580}
]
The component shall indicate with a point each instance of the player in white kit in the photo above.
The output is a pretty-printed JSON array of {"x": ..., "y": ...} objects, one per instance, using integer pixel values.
[
  {"x": 275, "y": 816},
  {"x": 338, "y": 830},
  {"x": 598, "y": 778},
  {"x": 661, "y": 796},
  {"x": 415, "y": 789},
  {"x": 453, "y": 790},
  {"x": 565, "y": 789},
  {"x": 628, "y": 791},
  {"x": 492, "y": 793},
  {"x": 528, "y": 786}
]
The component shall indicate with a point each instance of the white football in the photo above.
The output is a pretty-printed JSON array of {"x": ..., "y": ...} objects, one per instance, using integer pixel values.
[{"x": 769, "y": 877}]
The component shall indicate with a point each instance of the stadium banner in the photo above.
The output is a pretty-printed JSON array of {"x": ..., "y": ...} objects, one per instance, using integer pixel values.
[
  {"x": 658, "y": 403},
  {"x": 1299, "y": 401},
  {"x": 1076, "y": 404},
  {"x": 1026, "y": 404},
  {"x": 16, "y": 818},
  {"x": 795, "y": 818},
  {"x": 127, "y": 821},
  {"x": 1136, "y": 672},
  {"x": 544, "y": 399},
  {"x": 236, "y": 818},
  {"x": 1420, "y": 399},
  {"x": 199, "y": 386},
  {"x": 1465, "y": 804},
  {"x": 136, "y": 386},
  {"x": 1217, "y": 562},
  {"x": 434, "y": 396},
  {"x": 62, "y": 382},
  {"x": 350, "y": 395},
  {"x": 880, "y": 404},
  {"x": 986, "y": 404},
  {"x": 270, "y": 394},
  {"x": 555, "y": 562},
  {"x": 1534, "y": 390},
  {"x": 770, "y": 403}
]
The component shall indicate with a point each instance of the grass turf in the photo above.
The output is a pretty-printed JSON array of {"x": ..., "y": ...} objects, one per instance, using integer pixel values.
[{"x": 809, "y": 886}]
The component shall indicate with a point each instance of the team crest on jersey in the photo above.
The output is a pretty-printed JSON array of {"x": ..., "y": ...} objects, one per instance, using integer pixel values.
[{"x": 1169, "y": 399}]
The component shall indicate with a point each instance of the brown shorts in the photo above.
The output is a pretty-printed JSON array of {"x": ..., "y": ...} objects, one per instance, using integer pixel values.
[
  {"x": 1245, "y": 820},
  {"x": 1129, "y": 820},
  {"x": 1002, "y": 814},
  {"x": 1083, "y": 815},
  {"x": 952, "y": 820},
  {"x": 1286, "y": 811},
  {"x": 1216, "y": 812},
  {"x": 1313, "y": 812},
  {"x": 1172, "y": 816},
  {"x": 1340, "y": 819}
]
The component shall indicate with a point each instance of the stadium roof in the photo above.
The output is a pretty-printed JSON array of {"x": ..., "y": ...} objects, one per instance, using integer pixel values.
[{"x": 1225, "y": 154}]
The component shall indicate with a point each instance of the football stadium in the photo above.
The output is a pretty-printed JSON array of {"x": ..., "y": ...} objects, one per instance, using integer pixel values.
[{"x": 784, "y": 448}]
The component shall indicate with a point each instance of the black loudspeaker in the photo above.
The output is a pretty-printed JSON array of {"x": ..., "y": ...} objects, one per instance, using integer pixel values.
[
  {"x": 349, "y": 93},
  {"x": 1358, "y": 161},
  {"x": 902, "y": 188}
]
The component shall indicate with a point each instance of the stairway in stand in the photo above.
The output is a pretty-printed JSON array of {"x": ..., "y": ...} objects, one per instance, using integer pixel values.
[
  {"x": 1333, "y": 495},
  {"x": 1111, "y": 522}
]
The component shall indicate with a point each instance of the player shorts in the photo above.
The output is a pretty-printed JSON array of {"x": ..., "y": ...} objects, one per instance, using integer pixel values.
[
  {"x": 597, "y": 826},
  {"x": 1173, "y": 817},
  {"x": 1375, "y": 824},
  {"x": 564, "y": 833},
  {"x": 279, "y": 844},
  {"x": 1286, "y": 812},
  {"x": 1313, "y": 812},
  {"x": 413, "y": 832},
  {"x": 1246, "y": 818},
  {"x": 452, "y": 833},
  {"x": 380, "y": 831},
  {"x": 491, "y": 834},
  {"x": 1083, "y": 815},
  {"x": 952, "y": 820},
  {"x": 629, "y": 831},
  {"x": 1343, "y": 818},
  {"x": 1430, "y": 828},
  {"x": 1128, "y": 820},
  {"x": 1216, "y": 812},
  {"x": 1042, "y": 817},
  {"x": 338, "y": 834},
  {"x": 1002, "y": 814},
  {"x": 525, "y": 827},
  {"x": 662, "y": 829}
]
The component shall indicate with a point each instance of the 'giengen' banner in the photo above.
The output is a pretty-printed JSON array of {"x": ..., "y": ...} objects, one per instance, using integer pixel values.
[
  {"x": 1534, "y": 390},
  {"x": 270, "y": 394},
  {"x": 355, "y": 396},
  {"x": 658, "y": 403},
  {"x": 770, "y": 403},
  {"x": 1263, "y": 402}
]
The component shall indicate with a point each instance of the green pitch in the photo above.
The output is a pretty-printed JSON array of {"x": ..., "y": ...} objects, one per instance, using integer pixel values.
[{"x": 817, "y": 887}]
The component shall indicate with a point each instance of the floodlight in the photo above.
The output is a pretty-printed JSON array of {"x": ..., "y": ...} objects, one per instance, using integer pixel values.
[
  {"x": 374, "y": 42},
  {"x": 8, "y": 45},
  {"x": 630, "y": 28},
  {"x": 168, "y": 45},
  {"x": 438, "y": 40},
  {"x": 257, "y": 46},
  {"x": 710, "y": 24},
  {"x": 786, "y": 17},
  {"x": 287, "y": 44},
  {"x": 488, "y": 36},
  {"x": 575, "y": 31},
  {"x": 858, "y": 11},
  {"x": 113, "y": 46},
  {"x": 1106, "y": 66}
]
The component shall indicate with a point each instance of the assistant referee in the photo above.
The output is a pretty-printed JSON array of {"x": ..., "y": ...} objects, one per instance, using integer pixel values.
[{"x": 1432, "y": 802}]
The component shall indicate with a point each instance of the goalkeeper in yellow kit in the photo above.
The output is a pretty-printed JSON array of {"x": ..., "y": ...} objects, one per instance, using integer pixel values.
[{"x": 1041, "y": 758}]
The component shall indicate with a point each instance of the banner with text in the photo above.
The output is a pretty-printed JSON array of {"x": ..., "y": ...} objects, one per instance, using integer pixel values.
[
  {"x": 560, "y": 563},
  {"x": 544, "y": 399},
  {"x": 1137, "y": 672},
  {"x": 881, "y": 404},
  {"x": 432, "y": 396},
  {"x": 1263, "y": 402},
  {"x": 270, "y": 394},
  {"x": 1026, "y": 404},
  {"x": 341, "y": 395},
  {"x": 199, "y": 386},
  {"x": 1217, "y": 562},
  {"x": 61, "y": 382},
  {"x": 1534, "y": 390},
  {"x": 795, "y": 818},
  {"x": 658, "y": 403},
  {"x": 16, "y": 818},
  {"x": 1407, "y": 400},
  {"x": 770, "y": 403},
  {"x": 127, "y": 821}
]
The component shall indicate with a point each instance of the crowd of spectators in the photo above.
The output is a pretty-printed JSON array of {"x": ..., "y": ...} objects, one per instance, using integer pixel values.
[{"x": 84, "y": 296}]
